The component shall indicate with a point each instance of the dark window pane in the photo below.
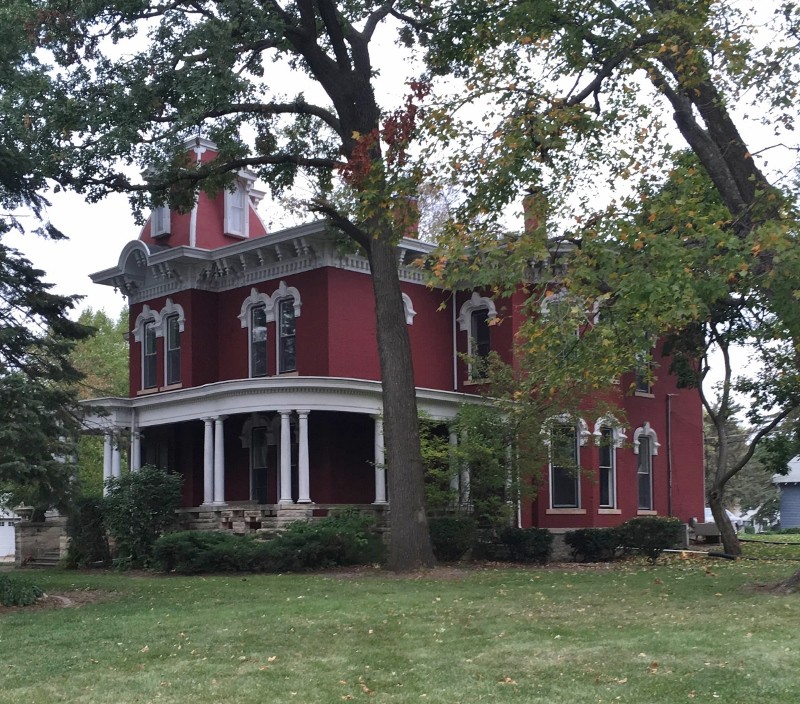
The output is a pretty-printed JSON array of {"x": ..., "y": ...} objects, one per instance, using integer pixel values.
[
  {"x": 645, "y": 474},
  {"x": 173, "y": 350},
  {"x": 149, "y": 357},
  {"x": 258, "y": 341},
  {"x": 286, "y": 330},
  {"x": 564, "y": 467},
  {"x": 481, "y": 343},
  {"x": 607, "y": 498}
]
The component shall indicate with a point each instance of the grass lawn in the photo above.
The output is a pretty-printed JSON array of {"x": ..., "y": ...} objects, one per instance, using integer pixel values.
[{"x": 688, "y": 630}]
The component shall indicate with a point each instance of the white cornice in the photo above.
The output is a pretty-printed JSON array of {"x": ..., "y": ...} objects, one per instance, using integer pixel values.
[
  {"x": 259, "y": 395},
  {"x": 143, "y": 274}
]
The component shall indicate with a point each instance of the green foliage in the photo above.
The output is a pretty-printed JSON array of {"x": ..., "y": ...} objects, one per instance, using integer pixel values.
[
  {"x": 86, "y": 530},
  {"x": 344, "y": 539},
  {"x": 195, "y": 552},
  {"x": 527, "y": 544},
  {"x": 451, "y": 536},
  {"x": 439, "y": 461},
  {"x": 486, "y": 442},
  {"x": 593, "y": 544},
  {"x": 138, "y": 508},
  {"x": 651, "y": 535},
  {"x": 103, "y": 357},
  {"x": 15, "y": 591}
]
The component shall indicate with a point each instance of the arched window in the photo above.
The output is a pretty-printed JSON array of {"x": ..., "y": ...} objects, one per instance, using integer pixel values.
[
  {"x": 564, "y": 437},
  {"x": 645, "y": 446},
  {"x": 609, "y": 436},
  {"x": 287, "y": 353},
  {"x": 167, "y": 323},
  {"x": 475, "y": 318},
  {"x": 283, "y": 308}
]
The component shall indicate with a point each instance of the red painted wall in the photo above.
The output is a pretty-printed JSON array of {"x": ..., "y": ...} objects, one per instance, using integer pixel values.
[{"x": 683, "y": 445}]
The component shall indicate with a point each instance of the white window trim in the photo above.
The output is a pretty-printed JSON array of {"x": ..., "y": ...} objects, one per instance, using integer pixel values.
[
  {"x": 609, "y": 421},
  {"x": 160, "y": 322},
  {"x": 277, "y": 310},
  {"x": 408, "y": 309},
  {"x": 582, "y": 436},
  {"x": 160, "y": 221},
  {"x": 618, "y": 438},
  {"x": 271, "y": 304},
  {"x": 242, "y": 184},
  {"x": 648, "y": 431},
  {"x": 159, "y": 318},
  {"x": 166, "y": 318},
  {"x": 475, "y": 302}
]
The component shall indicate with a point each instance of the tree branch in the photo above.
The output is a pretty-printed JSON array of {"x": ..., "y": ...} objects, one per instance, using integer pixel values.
[{"x": 298, "y": 107}]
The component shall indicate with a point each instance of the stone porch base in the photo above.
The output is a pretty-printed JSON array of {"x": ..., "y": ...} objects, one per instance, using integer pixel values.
[{"x": 247, "y": 518}]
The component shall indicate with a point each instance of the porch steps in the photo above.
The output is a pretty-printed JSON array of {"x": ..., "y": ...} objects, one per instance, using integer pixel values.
[{"x": 47, "y": 559}]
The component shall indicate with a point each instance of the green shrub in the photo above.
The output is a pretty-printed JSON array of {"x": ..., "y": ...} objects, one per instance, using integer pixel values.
[
  {"x": 18, "y": 592},
  {"x": 87, "y": 532},
  {"x": 451, "y": 536},
  {"x": 593, "y": 544},
  {"x": 527, "y": 544},
  {"x": 346, "y": 539},
  {"x": 651, "y": 535},
  {"x": 342, "y": 539},
  {"x": 138, "y": 508},
  {"x": 194, "y": 552}
]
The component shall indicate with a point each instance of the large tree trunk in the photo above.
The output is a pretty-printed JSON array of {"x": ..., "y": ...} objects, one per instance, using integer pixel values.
[
  {"x": 730, "y": 541},
  {"x": 410, "y": 545}
]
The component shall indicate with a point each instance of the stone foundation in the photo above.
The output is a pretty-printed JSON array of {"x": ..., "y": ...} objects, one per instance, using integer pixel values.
[{"x": 35, "y": 539}]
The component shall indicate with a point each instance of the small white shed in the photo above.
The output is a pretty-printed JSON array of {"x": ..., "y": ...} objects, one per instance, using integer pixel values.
[{"x": 7, "y": 534}]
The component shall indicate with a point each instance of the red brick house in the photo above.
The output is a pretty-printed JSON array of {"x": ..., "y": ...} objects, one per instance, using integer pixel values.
[{"x": 254, "y": 373}]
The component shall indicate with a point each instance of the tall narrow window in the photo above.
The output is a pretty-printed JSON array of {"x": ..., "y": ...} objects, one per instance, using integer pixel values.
[
  {"x": 258, "y": 341},
  {"x": 608, "y": 465},
  {"x": 287, "y": 357},
  {"x": 236, "y": 211},
  {"x": 644, "y": 473},
  {"x": 173, "y": 352},
  {"x": 479, "y": 342},
  {"x": 149, "y": 355},
  {"x": 564, "y": 486}
]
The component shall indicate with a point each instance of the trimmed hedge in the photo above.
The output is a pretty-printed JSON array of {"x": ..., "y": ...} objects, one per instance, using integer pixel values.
[
  {"x": 340, "y": 540},
  {"x": 451, "y": 536},
  {"x": 18, "y": 592},
  {"x": 527, "y": 544},
  {"x": 651, "y": 535},
  {"x": 593, "y": 544}
]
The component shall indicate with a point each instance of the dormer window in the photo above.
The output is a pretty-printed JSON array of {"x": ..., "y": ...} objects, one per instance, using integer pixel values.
[
  {"x": 160, "y": 221},
  {"x": 236, "y": 215}
]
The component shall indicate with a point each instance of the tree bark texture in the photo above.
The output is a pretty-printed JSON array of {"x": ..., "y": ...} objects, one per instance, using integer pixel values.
[
  {"x": 730, "y": 541},
  {"x": 410, "y": 546}
]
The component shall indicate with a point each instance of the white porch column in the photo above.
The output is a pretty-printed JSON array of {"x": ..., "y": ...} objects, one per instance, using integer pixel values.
[
  {"x": 106, "y": 460},
  {"x": 219, "y": 461},
  {"x": 302, "y": 460},
  {"x": 286, "y": 460},
  {"x": 115, "y": 457},
  {"x": 208, "y": 461},
  {"x": 464, "y": 482},
  {"x": 380, "y": 462},
  {"x": 136, "y": 450},
  {"x": 453, "y": 463}
]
